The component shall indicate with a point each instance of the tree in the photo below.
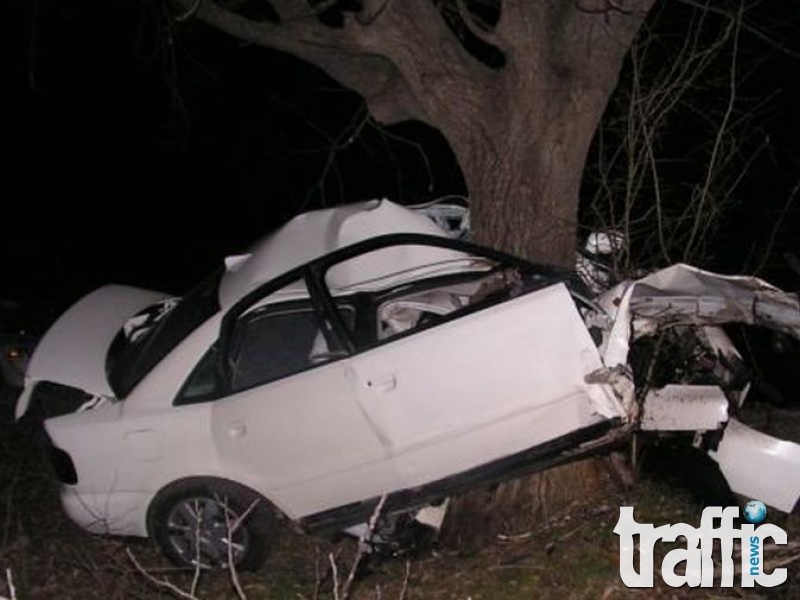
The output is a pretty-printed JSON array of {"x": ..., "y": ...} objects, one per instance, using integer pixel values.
[{"x": 517, "y": 88}]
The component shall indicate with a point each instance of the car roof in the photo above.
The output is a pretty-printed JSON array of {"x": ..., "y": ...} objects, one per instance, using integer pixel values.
[{"x": 315, "y": 234}]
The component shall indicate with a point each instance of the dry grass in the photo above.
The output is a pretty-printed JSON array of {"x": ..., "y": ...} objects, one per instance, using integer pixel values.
[{"x": 572, "y": 554}]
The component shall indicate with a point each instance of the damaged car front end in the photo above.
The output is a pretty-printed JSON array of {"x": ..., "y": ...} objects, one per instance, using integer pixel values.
[{"x": 670, "y": 331}]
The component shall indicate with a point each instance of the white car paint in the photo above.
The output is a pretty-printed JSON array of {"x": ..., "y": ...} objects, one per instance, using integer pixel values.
[
  {"x": 759, "y": 465},
  {"x": 73, "y": 350},
  {"x": 318, "y": 233},
  {"x": 406, "y": 412},
  {"x": 338, "y": 433},
  {"x": 685, "y": 408}
]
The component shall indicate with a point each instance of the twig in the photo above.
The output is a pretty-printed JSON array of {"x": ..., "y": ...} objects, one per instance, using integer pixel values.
[
  {"x": 161, "y": 583},
  {"x": 317, "y": 576},
  {"x": 188, "y": 13},
  {"x": 774, "y": 232},
  {"x": 198, "y": 523},
  {"x": 404, "y": 590},
  {"x": 720, "y": 133},
  {"x": 10, "y": 583},
  {"x": 373, "y": 521},
  {"x": 231, "y": 530},
  {"x": 335, "y": 575},
  {"x": 786, "y": 561}
]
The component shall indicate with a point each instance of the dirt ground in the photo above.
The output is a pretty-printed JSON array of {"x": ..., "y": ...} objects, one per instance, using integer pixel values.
[{"x": 572, "y": 554}]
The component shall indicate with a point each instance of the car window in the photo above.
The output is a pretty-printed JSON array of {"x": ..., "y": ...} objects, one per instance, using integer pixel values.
[
  {"x": 428, "y": 303},
  {"x": 204, "y": 382},
  {"x": 411, "y": 288},
  {"x": 273, "y": 342},
  {"x": 152, "y": 334},
  {"x": 282, "y": 334}
]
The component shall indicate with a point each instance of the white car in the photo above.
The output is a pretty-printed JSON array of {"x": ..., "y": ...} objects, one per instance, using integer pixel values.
[{"x": 360, "y": 354}]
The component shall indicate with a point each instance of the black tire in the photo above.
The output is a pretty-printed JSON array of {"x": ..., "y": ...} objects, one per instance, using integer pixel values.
[{"x": 212, "y": 507}]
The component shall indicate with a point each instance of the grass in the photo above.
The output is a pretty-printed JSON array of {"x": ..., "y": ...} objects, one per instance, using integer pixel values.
[{"x": 572, "y": 554}]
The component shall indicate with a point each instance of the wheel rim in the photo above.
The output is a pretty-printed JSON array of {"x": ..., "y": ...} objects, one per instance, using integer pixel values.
[{"x": 203, "y": 531}]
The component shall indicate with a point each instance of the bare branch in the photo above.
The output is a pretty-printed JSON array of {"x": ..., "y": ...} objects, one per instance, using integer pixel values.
[
  {"x": 776, "y": 227},
  {"x": 603, "y": 7},
  {"x": 371, "y": 11},
  {"x": 708, "y": 7},
  {"x": 373, "y": 521},
  {"x": 12, "y": 592},
  {"x": 404, "y": 590},
  {"x": 188, "y": 13},
  {"x": 720, "y": 132},
  {"x": 231, "y": 530},
  {"x": 161, "y": 583},
  {"x": 335, "y": 576}
]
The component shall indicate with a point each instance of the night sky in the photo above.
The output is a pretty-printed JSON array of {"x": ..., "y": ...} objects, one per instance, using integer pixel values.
[
  {"x": 138, "y": 163},
  {"x": 132, "y": 160}
]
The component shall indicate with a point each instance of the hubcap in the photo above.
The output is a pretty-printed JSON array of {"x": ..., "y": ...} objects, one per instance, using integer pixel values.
[{"x": 203, "y": 532}]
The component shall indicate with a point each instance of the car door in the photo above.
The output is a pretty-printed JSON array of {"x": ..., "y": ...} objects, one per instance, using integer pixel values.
[
  {"x": 290, "y": 424},
  {"x": 467, "y": 368}
]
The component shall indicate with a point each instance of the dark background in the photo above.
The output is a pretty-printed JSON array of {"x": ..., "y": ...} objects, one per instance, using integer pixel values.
[{"x": 136, "y": 156}]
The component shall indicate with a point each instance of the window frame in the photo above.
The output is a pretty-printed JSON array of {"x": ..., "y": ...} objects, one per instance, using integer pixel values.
[{"x": 324, "y": 304}]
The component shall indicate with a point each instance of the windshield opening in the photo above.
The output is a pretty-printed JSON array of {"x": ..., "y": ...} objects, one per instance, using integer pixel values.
[{"x": 149, "y": 336}]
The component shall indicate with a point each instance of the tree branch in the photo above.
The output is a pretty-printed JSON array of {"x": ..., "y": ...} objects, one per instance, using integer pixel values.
[
  {"x": 732, "y": 15},
  {"x": 390, "y": 52}
]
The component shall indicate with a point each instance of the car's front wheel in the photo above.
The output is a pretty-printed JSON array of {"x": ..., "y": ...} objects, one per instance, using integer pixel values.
[{"x": 213, "y": 524}]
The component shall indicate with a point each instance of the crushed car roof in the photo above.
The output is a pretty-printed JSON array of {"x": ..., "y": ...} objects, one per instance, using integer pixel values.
[{"x": 318, "y": 233}]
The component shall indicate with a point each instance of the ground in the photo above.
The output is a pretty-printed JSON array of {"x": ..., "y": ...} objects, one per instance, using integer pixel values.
[{"x": 571, "y": 554}]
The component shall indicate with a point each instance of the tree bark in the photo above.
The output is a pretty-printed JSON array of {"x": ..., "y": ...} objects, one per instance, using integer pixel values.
[
  {"x": 520, "y": 131},
  {"x": 524, "y": 174}
]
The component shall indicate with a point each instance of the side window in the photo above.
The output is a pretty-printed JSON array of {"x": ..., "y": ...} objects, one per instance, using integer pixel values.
[
  {"x": 273, "y": 342},
  {"x": 414, "y": 287},
  {"x": 203, "y": 383},
  {"x": 435, "y": 302},
  {"x": 281, "y": 335}
]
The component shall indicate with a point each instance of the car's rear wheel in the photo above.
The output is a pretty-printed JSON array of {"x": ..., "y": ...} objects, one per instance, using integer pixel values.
[{"x": 212, "y": 523}]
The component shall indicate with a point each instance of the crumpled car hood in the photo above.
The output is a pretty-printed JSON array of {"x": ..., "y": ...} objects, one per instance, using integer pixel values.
[{"x": 73, "y": 351}]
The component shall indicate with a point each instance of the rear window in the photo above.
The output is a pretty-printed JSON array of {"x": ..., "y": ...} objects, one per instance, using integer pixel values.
[{"x": 150, "y": 335}]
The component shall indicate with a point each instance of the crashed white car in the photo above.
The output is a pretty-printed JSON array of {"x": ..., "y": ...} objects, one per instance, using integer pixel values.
[{"x": 360, "y": 354}]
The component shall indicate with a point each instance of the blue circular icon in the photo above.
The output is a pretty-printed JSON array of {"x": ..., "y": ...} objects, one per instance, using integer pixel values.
[{"x": 755, "y": 511}]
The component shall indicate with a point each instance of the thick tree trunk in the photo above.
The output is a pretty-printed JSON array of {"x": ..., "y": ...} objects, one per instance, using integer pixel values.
[
  {"x": 524, "y": 186},
  {"x": 522, "y": 145},
  {"x": 523, "y": 163}
]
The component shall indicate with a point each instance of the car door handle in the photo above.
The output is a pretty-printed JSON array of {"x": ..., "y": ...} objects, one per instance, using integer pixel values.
[
  {"x": 237, "y": 430},
  {"x": 382, "y": 384}
]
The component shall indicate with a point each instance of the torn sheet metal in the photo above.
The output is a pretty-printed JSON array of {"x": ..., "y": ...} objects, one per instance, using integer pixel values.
[
  {"x": 619, "y": 380},
  {"x": 689, "y": 295},
  {"x": 685, "y": 408},
  {"x": 759, "y": 466}
]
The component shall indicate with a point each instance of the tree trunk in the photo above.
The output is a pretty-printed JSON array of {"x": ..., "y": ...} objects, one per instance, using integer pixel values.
[{"x": 523, "y": 167}]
